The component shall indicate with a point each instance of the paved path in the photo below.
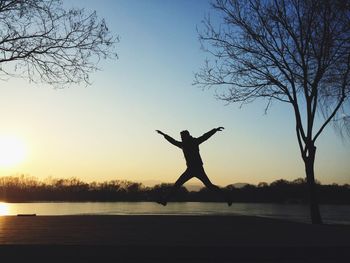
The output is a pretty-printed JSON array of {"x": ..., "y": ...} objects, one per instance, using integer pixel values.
[{"x": 170, "y": 238}]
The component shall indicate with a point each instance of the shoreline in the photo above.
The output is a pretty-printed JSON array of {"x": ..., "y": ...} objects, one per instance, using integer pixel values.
[
  {"x": 170, "y": 202},
  {"x": 296, "y": 213}
]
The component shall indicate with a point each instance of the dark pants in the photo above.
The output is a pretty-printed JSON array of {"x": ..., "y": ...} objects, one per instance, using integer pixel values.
[{"x": 198, "y": 172}]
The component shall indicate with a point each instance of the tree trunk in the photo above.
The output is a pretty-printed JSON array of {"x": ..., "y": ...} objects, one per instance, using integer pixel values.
[{"x": 313, "y": 193}]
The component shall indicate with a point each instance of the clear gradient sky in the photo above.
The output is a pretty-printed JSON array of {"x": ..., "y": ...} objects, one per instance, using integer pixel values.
[{"x": 107, "y": 130}]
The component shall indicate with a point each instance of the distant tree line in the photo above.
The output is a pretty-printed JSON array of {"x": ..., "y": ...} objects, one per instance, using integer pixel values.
[{"x": 30, "y": 189}]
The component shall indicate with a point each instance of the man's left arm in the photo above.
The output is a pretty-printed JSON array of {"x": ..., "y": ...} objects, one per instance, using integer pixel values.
[{"x": 208, "y": 134}]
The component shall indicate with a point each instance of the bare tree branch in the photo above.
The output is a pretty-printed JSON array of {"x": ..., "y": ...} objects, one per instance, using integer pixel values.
[
  {"x": 292, "y": 51},
  {"x": 42, "y": 41}
]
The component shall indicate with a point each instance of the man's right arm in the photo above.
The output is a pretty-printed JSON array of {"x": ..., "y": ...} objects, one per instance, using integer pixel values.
[
  {"x": 170, "y": 139},
  {"x": 208, "y": 134}
]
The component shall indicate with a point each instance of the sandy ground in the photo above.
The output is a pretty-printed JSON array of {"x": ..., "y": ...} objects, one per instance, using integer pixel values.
[{"x": 170, "y": 239}]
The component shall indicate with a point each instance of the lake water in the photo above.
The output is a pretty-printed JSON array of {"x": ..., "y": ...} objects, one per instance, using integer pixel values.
[{"x": 330, "y": 213}]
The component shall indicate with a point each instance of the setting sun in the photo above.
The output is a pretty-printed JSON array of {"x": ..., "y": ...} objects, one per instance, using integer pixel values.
[{"x": 12, "y": 151}]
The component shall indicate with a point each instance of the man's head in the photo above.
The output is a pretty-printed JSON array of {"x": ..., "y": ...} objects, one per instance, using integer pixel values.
[{"x": 185, "y": 135}]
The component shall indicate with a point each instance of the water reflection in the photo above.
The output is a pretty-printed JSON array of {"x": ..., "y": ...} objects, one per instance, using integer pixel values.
[
  {"x": 295, "y": 212},
  {"x": 4, "y": 209}
]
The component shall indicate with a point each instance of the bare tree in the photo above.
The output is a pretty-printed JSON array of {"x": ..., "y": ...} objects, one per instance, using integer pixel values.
[
  {"x": 43, "y": 41},
  {"x": 293, "y": 51}
]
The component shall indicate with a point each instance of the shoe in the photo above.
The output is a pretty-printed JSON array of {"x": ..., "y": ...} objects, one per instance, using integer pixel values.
[
  {"x": 228, "y": 200},
  {"x": 162, "y": 202}
]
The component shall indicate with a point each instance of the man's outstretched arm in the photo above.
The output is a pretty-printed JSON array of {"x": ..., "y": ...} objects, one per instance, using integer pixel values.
[
  {"x": 170, "y": 139},
  {"x": 208, "y": 134}
]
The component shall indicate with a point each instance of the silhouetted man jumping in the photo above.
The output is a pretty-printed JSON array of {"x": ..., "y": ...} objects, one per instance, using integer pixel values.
[{"x": 190, "y": 148}]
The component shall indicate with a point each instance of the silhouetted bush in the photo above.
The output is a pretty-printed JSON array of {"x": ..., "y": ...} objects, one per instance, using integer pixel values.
[{"x": 30, "y": 189}]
